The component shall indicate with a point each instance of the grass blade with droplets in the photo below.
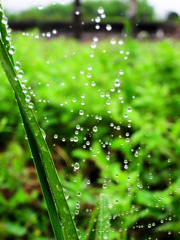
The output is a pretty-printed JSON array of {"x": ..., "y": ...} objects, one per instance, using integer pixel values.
[
  {"x": 103, "y": 223},
  {"x": 91, "y": 233},
  {"x": 50, "y": 183}
]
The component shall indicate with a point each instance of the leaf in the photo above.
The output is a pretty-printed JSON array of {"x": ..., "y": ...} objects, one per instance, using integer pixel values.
[
  {"x": 49, "y": 180},
  {"x": 103, "y": 223},
  {"x": 15, "y": 229},
  {"x": 90, "y": 233}
]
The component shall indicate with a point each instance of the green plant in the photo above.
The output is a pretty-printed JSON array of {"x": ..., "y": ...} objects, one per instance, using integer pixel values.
[
  {"x": 50, "y": 183},
  {"x": 58, "y": 209}
]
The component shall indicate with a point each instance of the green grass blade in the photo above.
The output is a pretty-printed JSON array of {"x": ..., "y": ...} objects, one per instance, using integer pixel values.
[
  {"x": 37, "y": 158},
  {"x": 4, "y": 34},
  {"x": 91, "y": 233},
  {"x": 103, "y": 223},
  {"x": 48, "y": 176}
]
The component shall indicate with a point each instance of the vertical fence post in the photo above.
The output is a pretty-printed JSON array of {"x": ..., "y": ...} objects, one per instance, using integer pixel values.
[{"x": 77, "y": 19}]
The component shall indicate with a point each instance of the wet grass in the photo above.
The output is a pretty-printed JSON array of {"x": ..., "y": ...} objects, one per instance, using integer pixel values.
[{"x": 144, "y": 194}]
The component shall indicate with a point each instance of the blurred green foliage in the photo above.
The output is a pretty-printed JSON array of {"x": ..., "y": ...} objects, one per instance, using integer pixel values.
[
  {"x": 141, "y": 178},
  {"x": 114, "y": 10}
]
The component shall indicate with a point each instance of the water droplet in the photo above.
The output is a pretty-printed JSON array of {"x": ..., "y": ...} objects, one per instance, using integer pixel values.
[
  {"x": 89, "y": 68},
  {"x": 48, "y": 34},
  {"x": 43, "y": 133},
  {"x": 40, "y": 7},
  {"x": 93, "y": 84},
  {"x": 104, "y": 186},
  {"x": 129, "y": 109},
  {"x": 79, "y": 194},
  {"x": 117, "y": 83},
  {"x": 121, "y": 72},
  {"x": 30, "y": 105},
  {"x": 113, "y": 41},
  {"x": 93, "y": 45},
  {"x": 28, "y": 98},
  {"x": 54, "y": 31},
  {"x": 55, "y": 136},
  {"x": 88, "y": 75},
  {"x": 76, "y": 166},
  {"x": 77, "y": 13},
  {"x": 75, "y": 139},
  {"x": 107, "y": 157},
  {"x": 17, "y": 66},
  {"x": 66, "y": 194},
  {"x": 108, "y": 27},
  {"x": 95, "y": 129},
  {"x": 20, "y": 74},
  {"x": 95, "y": 39},
  {"x": 120, "y": 42},
  {"x": 81, "y": 112},
  {"x": 100, "y": 10},
  {"x": 11, "y": 50},
  {"x": 103, "y": 15},
  {"x": 97, "y": 19}
]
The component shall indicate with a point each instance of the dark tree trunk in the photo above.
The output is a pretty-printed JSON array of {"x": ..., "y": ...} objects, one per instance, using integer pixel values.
[
  {"x": 77, "y": 19},
  {"x": 133, "y": 8}
]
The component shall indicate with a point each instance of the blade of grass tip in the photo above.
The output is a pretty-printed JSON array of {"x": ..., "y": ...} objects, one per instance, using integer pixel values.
[
  {"x": 34, "y": 131},
  {"x": 103, "y": 223},
  {"x": 4, "y": 33}
]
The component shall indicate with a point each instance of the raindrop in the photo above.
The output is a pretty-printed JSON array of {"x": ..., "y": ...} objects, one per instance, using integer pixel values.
[
  {"x": 43, "y": 133},
  {"x": 76, "y": 166},
  {"x": 79, "y": 194},
  {"x": 113, "y": 41},
  {"x": 54, "y": 31},
  {"x": 55, "y": 136},
  {"x": 88, "y": 75},
  {"x": 93, "y": 84},
  {"x": 93, "y": 45},
  {"x": 30, "y": 105},
  {"x": 97, "y": 27},
  {"x": 20, "y": 74},
  {"x": 97, "y": 19},
  {"x": 120, "y": 42},
  {"x": 104, "y": 186},
  {"x": 95, "y": 129},
  {"x": 75, "y": 139},
  {"x": 117, "y": 83},
  {"x": 28, "y": 98},
  {"x": 78, "y": 127},
  {"x": 129, "y": 109},
  {"x": 121, "y": 72},
  {"x": 100, "y": 10},
  {"x": 95, "y": 39},
  {"x": 81, "y": 112},
  {"x": 108, "y": 27},
  {"x": 17, "y": 66},
  {"x": 66, "y": 194},
  {"x": 103, "y": 15},
  {"x": 11, "y": 50},
  {"x": 40, "y": 7},
  {"x": 89, "y": 68},
  {"x": 77, "y": 13},
  {"x": 48, "y": 34}
]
